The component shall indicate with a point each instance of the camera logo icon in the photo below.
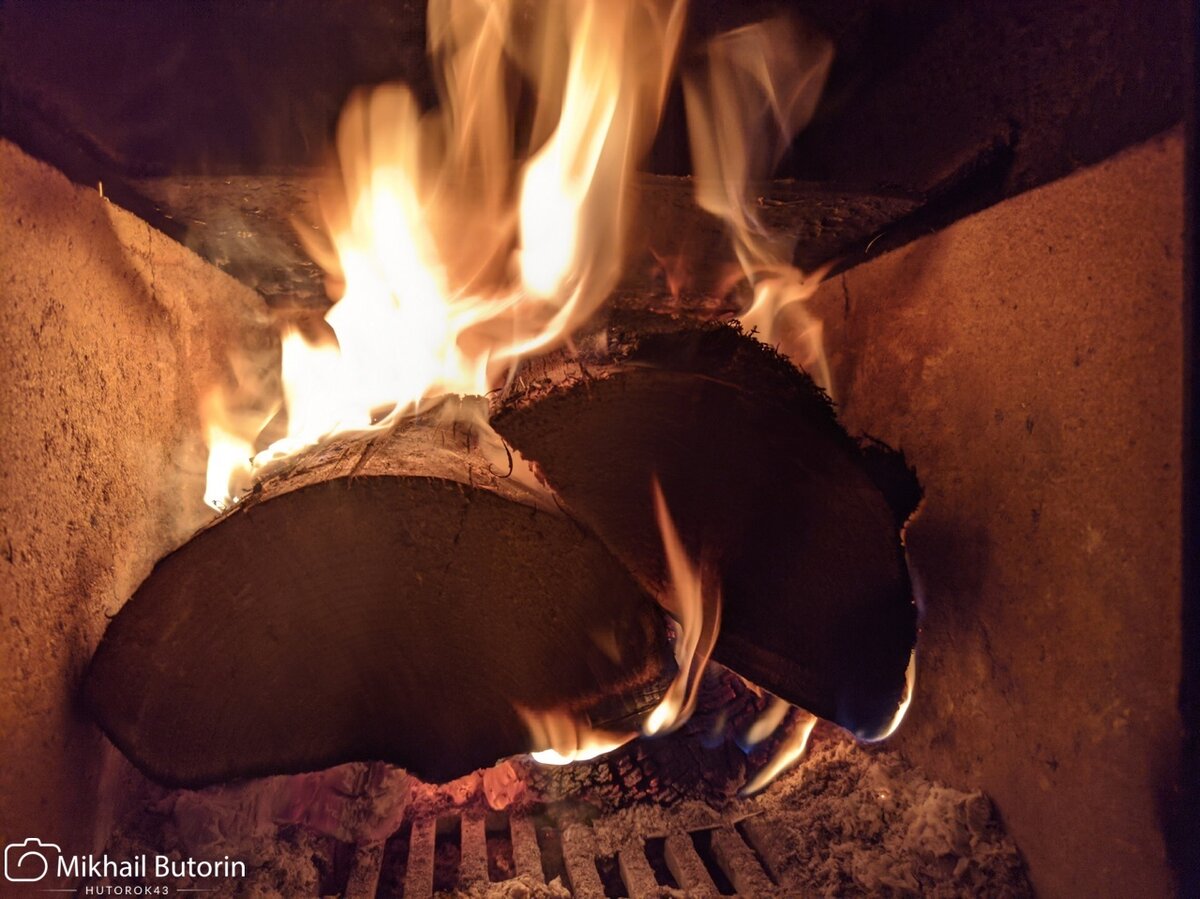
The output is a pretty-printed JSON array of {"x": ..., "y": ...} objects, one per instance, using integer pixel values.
[{"x": 30, "y": 861}]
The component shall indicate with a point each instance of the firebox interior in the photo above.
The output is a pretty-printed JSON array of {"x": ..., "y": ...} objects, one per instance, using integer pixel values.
[{"x": 999, "y": 188}]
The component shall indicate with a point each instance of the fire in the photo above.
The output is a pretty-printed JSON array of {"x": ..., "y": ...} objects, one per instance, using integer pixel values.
[
  {"x": 567, "y": 739},
  {"x": 768, "y": 722},
  {"x": 697, "y": 611},
  {"x": 786, "y": 755},
  {"x": 910, "y": 687},
  {"x": 463, "y": 242},
  {"x": 229, "y": 452},
  {"x": 755, "y": 89},
  {"x": 792, "y": 747},
  {"x": 466, "y": 237},
  {"x": 698, "y": 614}
]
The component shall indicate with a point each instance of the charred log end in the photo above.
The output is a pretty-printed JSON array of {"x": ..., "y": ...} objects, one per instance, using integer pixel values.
[
  {"x": 889, "y": 471},
  {"x": 817, "y": 601},
  {"x": 379, "y": 616}
]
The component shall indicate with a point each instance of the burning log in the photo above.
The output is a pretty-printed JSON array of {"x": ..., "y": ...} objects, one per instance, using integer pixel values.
[
  {"x": 398, "y": 598},
  {"x": 802, "y": 521}
]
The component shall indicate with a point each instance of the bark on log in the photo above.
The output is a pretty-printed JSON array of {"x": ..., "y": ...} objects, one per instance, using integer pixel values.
[
  {"x": 802, "y": 521},
  {"x": 393, "y": 604}
]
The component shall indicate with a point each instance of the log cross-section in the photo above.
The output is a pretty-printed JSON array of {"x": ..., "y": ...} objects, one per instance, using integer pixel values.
[
  {"x": 801, "y": 520},
  {"x": 397, "y": 599}
]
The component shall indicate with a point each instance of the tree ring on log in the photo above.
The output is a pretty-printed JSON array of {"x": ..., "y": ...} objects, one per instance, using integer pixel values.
[
  {"x": 803, "y": 522},
  {"x": 394, "y": 603}
]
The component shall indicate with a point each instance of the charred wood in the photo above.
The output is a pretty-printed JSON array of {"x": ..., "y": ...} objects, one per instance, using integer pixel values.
[
  {"x": 702, "y": 760},
  {"x": 801, "y": 521},
  {"x": 391, "y": 599}
]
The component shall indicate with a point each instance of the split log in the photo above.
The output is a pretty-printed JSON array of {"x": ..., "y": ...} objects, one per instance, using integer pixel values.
[
  {"x": 701, "y": 761},
  {"x": 802, "y": 521},
  {"x": 392, "y": 599}
]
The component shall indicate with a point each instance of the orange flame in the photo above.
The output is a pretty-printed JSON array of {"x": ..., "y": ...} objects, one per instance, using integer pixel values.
[
  {"x": 757, "y": 87},
  {"x": 792, "y": 748},
  {"x": 768, "y": 722},
  {"x": 229, "y": 452},
  {"x": 463, "y": 243},
  {"x": 698, "y": 613},
  {"x": 567, "y": 739},
  {"x": 786, "y": 755}
]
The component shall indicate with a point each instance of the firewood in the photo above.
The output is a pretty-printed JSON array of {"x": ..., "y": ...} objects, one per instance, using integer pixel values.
[
  {"x": 802, "y": 521},
  {"x": 392, "y": 598}
]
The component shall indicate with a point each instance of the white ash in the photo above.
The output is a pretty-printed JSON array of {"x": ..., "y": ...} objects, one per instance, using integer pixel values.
[
  {"x": 855, "y": 820},
  {"x": 862, "y": 820},
  {"x": 353, "y": 803},
  {"x": 288, "y": 862},
  {"x": 850, "y": 820},
  {"x": 518, "y": 888}
]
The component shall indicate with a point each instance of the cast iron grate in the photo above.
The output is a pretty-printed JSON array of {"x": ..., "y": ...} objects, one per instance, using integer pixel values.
[{"x": 735, "y": 857}]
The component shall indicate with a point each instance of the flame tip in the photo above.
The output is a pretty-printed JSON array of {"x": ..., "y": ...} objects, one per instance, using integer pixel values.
[{"x": 455, "y": 246}]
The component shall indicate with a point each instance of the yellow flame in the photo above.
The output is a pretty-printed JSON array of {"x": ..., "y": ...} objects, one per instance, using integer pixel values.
[
  {"x": 786, "y": 755},
  {"x": 756, "y": 88},
  {"x": 768, "y": 722},
  {"x": 910, "y": 687},
  {"x": 462, "y": 241},
  {"x": 698, "y": 614},
  {"x": 231, "y": 416},
  {"x": 229, "y": 453},
  {"x": 567, "y": 739}
]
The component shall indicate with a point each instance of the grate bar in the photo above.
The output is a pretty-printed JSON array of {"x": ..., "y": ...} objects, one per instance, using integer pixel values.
[
  {"x": 527, "y": 857},
  {"x": 473, "y": 866},
  {"x": 418, "y": 879},
  {"x": 687, "y": 866},
  {"x": 739, "y": 864},
  {"x": 743, "y": 857},
  {"x": 364, "y": 875},
  {"x": 763, "y": 840},
  {"x": 637, "y": 873},
  {"x": 579, "y": 856}
]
